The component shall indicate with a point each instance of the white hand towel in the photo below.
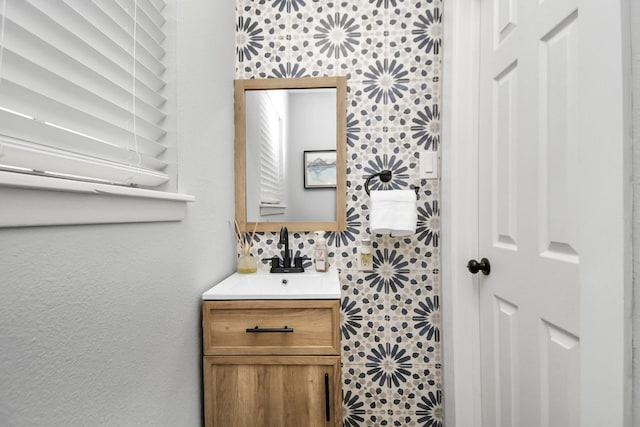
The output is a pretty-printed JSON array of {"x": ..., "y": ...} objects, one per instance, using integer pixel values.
[{"x": 393, "y": 212}]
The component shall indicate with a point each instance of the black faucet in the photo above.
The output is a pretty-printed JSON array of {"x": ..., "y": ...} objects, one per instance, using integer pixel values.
[
  {"x": 284, "y": 240},
  {"x": 286, "y": 266}
]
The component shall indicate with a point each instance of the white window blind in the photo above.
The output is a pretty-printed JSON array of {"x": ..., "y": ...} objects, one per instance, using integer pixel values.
[
  {"x": 81, "y": 90},
  {"x": 271, "y": 164}
]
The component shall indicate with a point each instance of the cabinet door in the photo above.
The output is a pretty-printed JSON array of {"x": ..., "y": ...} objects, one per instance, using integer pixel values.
[{"x": 272, "y": 391}]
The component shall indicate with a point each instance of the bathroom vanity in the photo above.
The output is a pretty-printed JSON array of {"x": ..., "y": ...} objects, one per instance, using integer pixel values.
[{"x": 272, "y": 358}]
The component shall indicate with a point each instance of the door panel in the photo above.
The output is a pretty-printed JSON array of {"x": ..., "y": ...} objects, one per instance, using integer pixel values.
[
  {"x": 559, "y": 377},
  {"x": 559, "y": 140},
  {"x": 506, "y": 360},
  {"x": 505, "y": 186},
  {"x": 507, "y": 11},
  {"x": 528, "y": 178}
]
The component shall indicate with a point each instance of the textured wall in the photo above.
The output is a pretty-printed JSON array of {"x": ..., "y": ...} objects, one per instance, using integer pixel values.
[
  {"x": 100, "y": 325},
  {"x": 635, "y": 51},
  {"x": 390, "y": 52}
]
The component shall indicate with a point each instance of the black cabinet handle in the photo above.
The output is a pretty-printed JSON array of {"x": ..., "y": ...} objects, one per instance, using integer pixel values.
[
  {"x": 258, "y": 329},
  {"x": 327, "y": 402}
]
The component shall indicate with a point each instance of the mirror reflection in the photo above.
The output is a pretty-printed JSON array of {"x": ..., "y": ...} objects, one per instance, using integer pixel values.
[{"x": 290, "y": 153}]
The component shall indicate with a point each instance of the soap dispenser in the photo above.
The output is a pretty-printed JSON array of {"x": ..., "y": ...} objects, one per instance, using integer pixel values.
[{"x": 320, "y": 252}]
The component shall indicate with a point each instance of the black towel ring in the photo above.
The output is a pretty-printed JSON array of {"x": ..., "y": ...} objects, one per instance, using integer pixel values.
[{"x": 384, "y": 176}]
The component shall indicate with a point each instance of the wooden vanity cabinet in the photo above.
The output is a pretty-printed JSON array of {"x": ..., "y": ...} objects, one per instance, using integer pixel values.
[{"x": 272, "y": 363}]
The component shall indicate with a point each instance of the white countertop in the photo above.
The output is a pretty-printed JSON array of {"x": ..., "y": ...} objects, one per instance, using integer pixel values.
[{"x": 264, "y": 285}]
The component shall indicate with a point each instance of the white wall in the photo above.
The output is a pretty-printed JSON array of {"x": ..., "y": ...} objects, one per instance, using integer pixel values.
[
  {"x": 100, "y": 325},
  {"x": 635, "y": 46},
  {"x": 319, "y": 133}
]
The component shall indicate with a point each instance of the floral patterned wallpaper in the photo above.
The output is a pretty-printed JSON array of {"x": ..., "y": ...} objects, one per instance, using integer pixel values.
[{"x": 390, "y": 51}]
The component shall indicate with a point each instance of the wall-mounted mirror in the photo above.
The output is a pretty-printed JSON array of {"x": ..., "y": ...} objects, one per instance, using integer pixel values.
[{"x": 290, "y": 148}]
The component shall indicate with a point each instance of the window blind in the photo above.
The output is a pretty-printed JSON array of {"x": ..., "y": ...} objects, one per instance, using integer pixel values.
[
  {"x": 271, "y": 176},
  {"x": 81, "y": 90}
]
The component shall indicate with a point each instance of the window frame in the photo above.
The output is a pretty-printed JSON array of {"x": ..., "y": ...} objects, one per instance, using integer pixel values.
[{"x": 38, "y": 200}]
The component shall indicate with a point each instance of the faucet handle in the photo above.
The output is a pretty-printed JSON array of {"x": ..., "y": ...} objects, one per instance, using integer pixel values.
[{"x": 275, "y": 262}]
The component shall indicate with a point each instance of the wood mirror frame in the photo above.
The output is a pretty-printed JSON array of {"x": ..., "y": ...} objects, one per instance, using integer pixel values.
[{"x": 240, "y": 87}]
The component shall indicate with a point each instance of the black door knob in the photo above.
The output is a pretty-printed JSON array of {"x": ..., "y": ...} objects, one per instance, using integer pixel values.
[{"x": 474, "y": 266}]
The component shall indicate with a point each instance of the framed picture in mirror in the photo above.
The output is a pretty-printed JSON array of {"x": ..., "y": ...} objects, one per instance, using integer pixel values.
[{"x": 320, "y": 169}]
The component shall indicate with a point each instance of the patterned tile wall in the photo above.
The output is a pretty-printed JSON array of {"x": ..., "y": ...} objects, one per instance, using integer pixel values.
[{"x": 390, "y": 51}]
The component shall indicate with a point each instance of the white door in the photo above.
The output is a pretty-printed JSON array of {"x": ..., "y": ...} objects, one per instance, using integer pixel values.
[{"x": 550, "y": 168}]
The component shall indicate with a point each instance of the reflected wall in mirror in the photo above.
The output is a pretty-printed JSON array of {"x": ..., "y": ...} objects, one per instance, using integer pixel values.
[{"x": 276, "y": 122}]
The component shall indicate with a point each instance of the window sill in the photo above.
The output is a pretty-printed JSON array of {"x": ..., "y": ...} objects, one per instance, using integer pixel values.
[
  {"x": 29, "y": 200},
  {"x": 268, "y": 209}
]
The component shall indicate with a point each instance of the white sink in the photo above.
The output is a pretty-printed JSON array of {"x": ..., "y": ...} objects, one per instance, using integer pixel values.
[{"x": 265, "y": 285}]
